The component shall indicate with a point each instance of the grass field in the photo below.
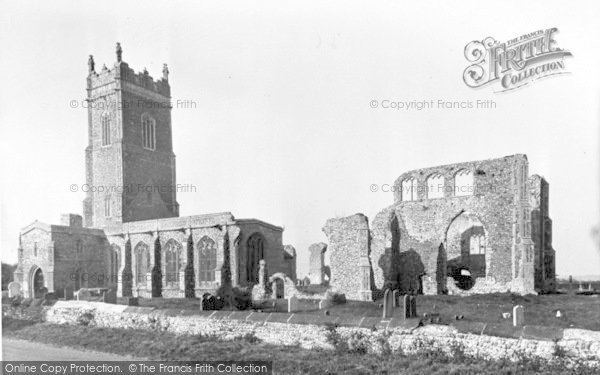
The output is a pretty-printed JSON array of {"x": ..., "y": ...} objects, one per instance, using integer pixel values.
[
  {"x": 578, "y": 311},
  {"x": 154, "y": 345}
]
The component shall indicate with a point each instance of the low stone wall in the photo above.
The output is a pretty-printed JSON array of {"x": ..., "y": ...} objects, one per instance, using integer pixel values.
[{"x": 309, "y": 331}]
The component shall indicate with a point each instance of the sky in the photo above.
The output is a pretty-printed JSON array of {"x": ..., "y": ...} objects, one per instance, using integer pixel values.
[{"x": 282, "y": 127}]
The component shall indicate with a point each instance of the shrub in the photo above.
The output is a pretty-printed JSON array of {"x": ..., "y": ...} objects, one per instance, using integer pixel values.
[
  {"x": 358, "y": 343},
  {"x": 85, "y": 318},
  {"x": 251, "y": 338},
  {"x": 333, "y": 337},
  {"x": 335, "y": 297}
]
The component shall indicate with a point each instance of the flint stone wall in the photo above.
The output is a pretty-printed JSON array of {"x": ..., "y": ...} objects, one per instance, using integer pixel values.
[{"x": 297, "y": 329}]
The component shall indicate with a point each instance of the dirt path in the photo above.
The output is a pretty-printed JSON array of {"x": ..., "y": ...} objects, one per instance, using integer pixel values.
[{"x": 21, "y": 350}]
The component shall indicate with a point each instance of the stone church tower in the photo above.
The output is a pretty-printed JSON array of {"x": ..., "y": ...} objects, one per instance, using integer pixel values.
[{"x": 130, "y": 164}]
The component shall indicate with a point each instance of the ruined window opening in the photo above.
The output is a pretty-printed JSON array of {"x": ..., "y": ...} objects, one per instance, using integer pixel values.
[
  {"x": 409, "y": 189},
  {"x": 208, "y": 258},
  {"x": 256, "y": 244},
  {"x": 105, "y": 129},
  {"x": 148, "y": 132},
  {"x": 477, "y": 244},
  {"x": 435, "y": 186},
  {"x": 463, "y": 183}
]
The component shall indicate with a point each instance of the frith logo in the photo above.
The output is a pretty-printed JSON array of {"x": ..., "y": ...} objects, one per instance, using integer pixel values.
[{"x": 515, "y": 63}]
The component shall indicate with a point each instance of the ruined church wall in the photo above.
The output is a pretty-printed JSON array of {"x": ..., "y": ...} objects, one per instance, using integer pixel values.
[{"x": 423, "y": 223}]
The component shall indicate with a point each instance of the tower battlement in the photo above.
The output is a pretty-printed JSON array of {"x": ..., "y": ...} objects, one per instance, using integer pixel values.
[{"x": 122, "y": 72}]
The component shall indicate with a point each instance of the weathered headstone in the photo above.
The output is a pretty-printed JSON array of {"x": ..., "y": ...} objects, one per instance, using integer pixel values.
[
  {"x": 558, "y": 314},
  {"x": 413, "y": 306},
  {"x": 506, "y": 315},
  {"x": 518, "y": 316},
  {"x": 395, "y": 297},
  {"x": 590, "y": 287},
  {"x": 388, "y": 304},
  {"x": 324, "y": 304},
  {"x": 82, "y": 295},
  {"x": 68, "y": 293},
  {"x": 293, "y": 305},
  {"x": 14, "y": 289},
  {"x": 580, "y": 287},
  {"x": 110, "y": 296}
]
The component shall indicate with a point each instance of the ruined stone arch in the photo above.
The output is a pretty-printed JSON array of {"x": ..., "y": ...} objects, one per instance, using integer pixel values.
[
  {"x": 463, "y": 264},
  {"x": 282, "y": 285}
]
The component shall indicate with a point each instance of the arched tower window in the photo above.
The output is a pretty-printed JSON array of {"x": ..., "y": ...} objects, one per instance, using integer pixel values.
[
  {"x": 435, "y": 186},
  {"x": 256, "y": 252},
  {"x": 409, "y": 189},
  {"x": 463, "y": 183},
  {"x": 148, "y": 132},
  {"x": 105, "y": 129},
  {"x": 171, "y": 260},
  {"x": 207, "y": 249}
]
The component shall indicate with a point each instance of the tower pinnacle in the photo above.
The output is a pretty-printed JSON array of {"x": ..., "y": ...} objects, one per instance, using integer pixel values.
[{"x": 119, "y": 51}]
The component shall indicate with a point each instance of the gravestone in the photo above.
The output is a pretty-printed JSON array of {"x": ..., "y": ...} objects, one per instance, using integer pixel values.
[
  {"x": 82, "y": 295},
  {"x": 388, "y": 304},
  {"x": 409, "y": 306},
  {"x": 68, "y": 293},
  {"x": 395, "y": 296},
  {"x": 580, "y": 287},
  {"x": 590, "y": 287},
  {"x": 518, "y": 316},
  {"x": 14, "y": 289},
  {"x": 109, "y": 296},
  {"x": 324, "y": 303},
  {"x": 293, "y": 304}
]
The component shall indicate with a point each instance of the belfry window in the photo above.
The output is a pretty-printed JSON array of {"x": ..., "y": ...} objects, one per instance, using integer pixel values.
[
  {"x": 148, "y": 132},
  {"x": 105, "y": 129},
  {"x": 463, "y": 183}
]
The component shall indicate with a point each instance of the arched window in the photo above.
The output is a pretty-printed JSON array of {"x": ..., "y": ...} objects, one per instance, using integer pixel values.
[
  {"x": 256, "y": 252},
  {"x": 207, "y": 249},
  {"x": 463, "y": 183},
  {"x": 435, "y": 186},
  {"x": 409, "y": 189},
  {"x": 105, "y": 129},
  {"x": 148, "y": 132},
  {"x": 107, "y": 206},
  {"x": 142, "y": 263},
  {"x": 171, "y": 260},
  {"x": 477, "y": 244}
]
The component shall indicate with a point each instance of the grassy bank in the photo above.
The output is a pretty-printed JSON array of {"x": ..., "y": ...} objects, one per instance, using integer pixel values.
[{"x": 347, "y": 359}]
